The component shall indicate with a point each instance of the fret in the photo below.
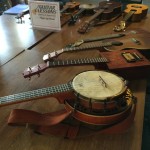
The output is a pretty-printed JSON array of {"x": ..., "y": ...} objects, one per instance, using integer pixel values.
[
  {"x": 95, "y": 60},
  {"x": 85, "y": 60},
  {"x": 88, "y": 46},
  {"x": 128, "y": 15},
  {"x": 101, "y": 59},
  {"x": 98, "y": 60},
  {"x": 53, "y": 63},
  {"x": 105, "y": 59},
  {"x": 66, "y": 49},
  {"x": 82, "y": 61},
  {"x": 35, "y": 93},
  {"x": 74, "y": 62},
  {"x": 78, "y": 61},
  {"x": 92, "y": 60},
  {"x": 63, "y": 63},
  {"x": 58, "y": 63}
]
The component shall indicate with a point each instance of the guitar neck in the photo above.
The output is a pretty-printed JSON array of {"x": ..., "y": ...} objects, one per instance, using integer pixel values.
[{"x": 35, "y": 94}]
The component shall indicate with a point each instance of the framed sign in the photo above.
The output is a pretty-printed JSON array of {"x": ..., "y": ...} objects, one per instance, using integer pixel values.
[{"x": 45, "y": 15}]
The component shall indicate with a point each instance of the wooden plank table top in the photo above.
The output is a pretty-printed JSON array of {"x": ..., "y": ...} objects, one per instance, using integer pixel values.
[
  {"x": 12, "y": 81},
  {"x": 20, "y": 36}
]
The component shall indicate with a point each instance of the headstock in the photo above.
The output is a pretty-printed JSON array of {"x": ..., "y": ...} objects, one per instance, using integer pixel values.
[{"x": 35, "y": 70}]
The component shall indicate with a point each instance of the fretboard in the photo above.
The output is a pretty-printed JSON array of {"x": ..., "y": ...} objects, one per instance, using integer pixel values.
[
  {"x": 127, "y": 17},
  {"x": 77, "y": 61},
  {"x": 88, "y": 46},
  {"x": 94, "y": 16},
  {"x": 104, "y": 37},
  {"x": 35, "y": 94}
]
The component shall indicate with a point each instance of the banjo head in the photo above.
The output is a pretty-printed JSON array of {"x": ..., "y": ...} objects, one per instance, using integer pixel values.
[{"x": 98, "y": 85}]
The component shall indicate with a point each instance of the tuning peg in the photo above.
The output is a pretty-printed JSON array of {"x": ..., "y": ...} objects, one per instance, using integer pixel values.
[
  {"x": 29, "y": 69},
  {"x": 38, "y": 67}
]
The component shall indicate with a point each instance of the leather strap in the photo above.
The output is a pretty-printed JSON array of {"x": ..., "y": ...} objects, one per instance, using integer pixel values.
[
  {"x": 52, "y": 123},
  {"x": 21, "y": 116}
]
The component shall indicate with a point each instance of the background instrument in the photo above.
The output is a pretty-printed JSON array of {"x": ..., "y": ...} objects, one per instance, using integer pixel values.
[
  {"x": 84, "y": 9},
  {"x": 88, "y": 46},
  {"x": 92, "y": 39},
  {"x": 70, "y": 6},
  {"x": 133, "y": 12},
  {"x": 108, "y": 9},
  {"x": 140, "y": 42},
  {"x": 137, "y": 69}
]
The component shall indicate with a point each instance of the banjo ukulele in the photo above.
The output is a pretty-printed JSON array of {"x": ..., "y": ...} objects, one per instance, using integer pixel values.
[{"x": 94, "y": 97}]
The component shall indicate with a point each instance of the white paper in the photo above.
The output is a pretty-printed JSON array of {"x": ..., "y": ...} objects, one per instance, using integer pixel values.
[{"x": 45, "y": 15}]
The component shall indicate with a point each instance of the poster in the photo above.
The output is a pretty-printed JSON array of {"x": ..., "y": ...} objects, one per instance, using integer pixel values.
[{"x": 45, "y": 15}]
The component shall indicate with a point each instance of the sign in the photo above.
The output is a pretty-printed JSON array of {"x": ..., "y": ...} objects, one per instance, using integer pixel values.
[{"x": 45, "y": 15}]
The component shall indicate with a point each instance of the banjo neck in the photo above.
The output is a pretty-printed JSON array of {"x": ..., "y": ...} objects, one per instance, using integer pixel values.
[{"x": 34, "y": 94}]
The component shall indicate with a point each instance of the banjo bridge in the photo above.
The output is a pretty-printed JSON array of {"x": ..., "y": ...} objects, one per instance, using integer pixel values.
[{"x": 103, "y": 82}]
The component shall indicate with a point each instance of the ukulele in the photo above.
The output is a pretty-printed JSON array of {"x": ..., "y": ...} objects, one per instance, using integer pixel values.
[
  {"x": 119, "y": 61},
  {"x": 134, "y": 12},
  {"x": 36, "y": 70},
  {"x": 84, "y": 9},
  {"x": 140, "y": 42},
  {"x": 137, "y": 39},
  {"x": 70, "y": 6},
  {"x": 107, "y": 8},
  {"x": 88, "y": 46}
]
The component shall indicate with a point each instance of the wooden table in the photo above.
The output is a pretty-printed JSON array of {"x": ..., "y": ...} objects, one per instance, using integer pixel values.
[
  {"x": 12, "y": 81},
  {"x": 20, "y": 36}
]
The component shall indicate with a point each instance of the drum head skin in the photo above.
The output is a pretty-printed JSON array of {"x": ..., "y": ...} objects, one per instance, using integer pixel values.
[{"x": 98, "y": 85}]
